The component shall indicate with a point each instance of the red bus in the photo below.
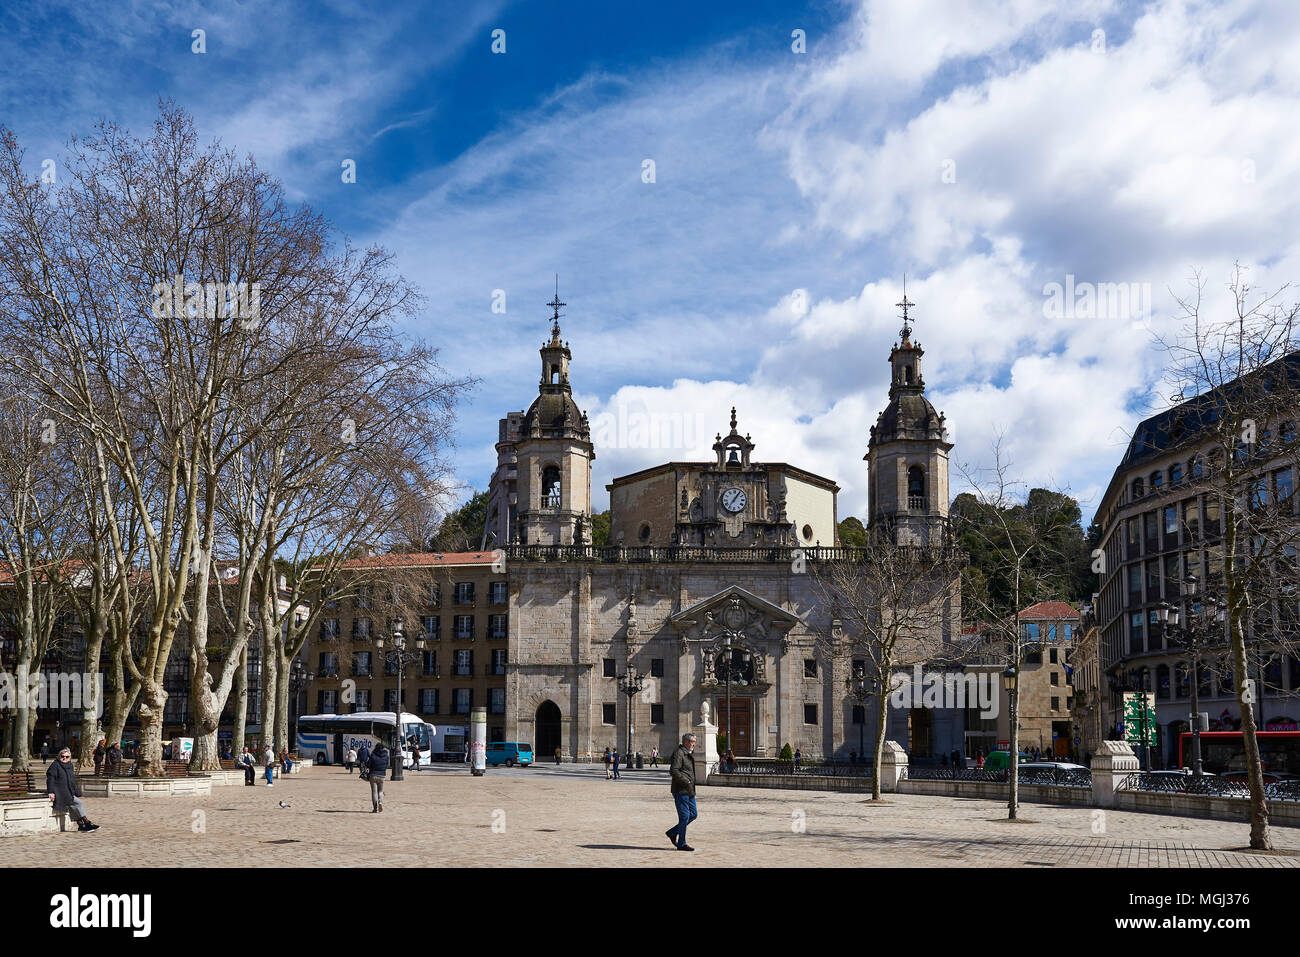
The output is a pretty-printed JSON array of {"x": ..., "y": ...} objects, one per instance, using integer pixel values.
[{"x": 1223, "y": 752}]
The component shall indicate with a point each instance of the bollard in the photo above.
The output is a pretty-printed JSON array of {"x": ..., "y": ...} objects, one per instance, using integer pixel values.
[{"x": 478, "y": 741}]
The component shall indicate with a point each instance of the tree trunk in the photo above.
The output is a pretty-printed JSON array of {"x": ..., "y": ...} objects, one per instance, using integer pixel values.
[
  {"x": 149, "y": 761},
  {"x": 22, "y": 720},
  {"x": 93, "y": 697},
  {"x": 268, "y": 692},
  {"x": 882, "y": 715},
  {"x": 1260, "y": 837},
  {"x": 241, "y": 702},
  {"x": 281, "y": 704}
]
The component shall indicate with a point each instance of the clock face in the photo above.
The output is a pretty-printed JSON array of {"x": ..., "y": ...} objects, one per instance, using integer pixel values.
[{"x": 733, "y": 500}]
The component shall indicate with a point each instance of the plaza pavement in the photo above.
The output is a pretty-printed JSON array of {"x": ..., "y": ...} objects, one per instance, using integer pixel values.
[{"x": 571, "y": 816}]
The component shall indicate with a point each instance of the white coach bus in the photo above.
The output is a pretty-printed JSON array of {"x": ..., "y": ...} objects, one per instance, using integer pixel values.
[{"x": 326, "y": 738}]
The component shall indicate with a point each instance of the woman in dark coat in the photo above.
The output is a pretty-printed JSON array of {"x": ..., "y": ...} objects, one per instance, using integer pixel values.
[{"x": 63, "y": 789}]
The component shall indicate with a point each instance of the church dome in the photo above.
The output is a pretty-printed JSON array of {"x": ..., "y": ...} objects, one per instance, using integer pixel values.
[
  {"x": 909, "y": 415},
  {"x": 555, "y": 415}
]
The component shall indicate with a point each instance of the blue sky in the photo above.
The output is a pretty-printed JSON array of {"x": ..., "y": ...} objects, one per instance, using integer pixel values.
[{"x": 988, "y": 150}]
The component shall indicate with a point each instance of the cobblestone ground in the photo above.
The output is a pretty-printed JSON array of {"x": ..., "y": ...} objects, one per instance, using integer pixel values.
[{"x": 572, "y": 816}]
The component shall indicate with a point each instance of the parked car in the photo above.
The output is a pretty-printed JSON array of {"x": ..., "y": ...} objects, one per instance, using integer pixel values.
[
  {"x": 510, "y": 753},
  {"x": 1001, "y": 760}
]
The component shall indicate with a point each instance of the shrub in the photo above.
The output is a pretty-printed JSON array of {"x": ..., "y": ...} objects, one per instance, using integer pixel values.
[{"x": 787, "y": 753}]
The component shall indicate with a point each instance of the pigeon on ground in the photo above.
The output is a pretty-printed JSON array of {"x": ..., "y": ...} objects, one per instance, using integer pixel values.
[{"x": 282, "y": 804}]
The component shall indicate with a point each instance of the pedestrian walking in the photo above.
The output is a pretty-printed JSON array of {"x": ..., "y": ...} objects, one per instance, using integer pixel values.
[
  {"x": 268, "y": 759},
  {"x": 100, "y": 751},
  {"x": 557, "y": 755},
  {"x": 608, "y": 773},
  {"x": 249, "y": 765},
  {"x": 377, "y": 770},
  {"x": 979, "y": 761},
  {"x": 363, "y": 759},
  {"x": 45, "y": 750},
  {"x": 62, "y": 787},
  {"x": 614, "y": 761},
  {"x": 654, "y": 757},
  {"x": 682, "y": 772},
  {"x": 415, "y": 755},
  {"x": 467, "y": 752},
  {"x": 798, "y": 756},
  {"x": 351, "y": 759}
]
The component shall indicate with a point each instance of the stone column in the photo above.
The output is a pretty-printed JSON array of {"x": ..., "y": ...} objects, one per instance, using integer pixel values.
[
  {"x": 706, "y": 750},
  {"x": 1113, "y": 762},
  {"x": 893, "y": 766}
]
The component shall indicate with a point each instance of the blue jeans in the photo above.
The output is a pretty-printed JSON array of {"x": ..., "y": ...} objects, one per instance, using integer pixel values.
[
  {"x": 269, "y": 772},
  {"x": 685, "y": 814}
]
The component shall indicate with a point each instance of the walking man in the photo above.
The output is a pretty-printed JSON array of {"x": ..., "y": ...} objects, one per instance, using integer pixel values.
[
  {"x": 246, "y": 761},
  {"x": 268, "y": 758},
  {"x": 378, "y": 768},
  {"x": 682, "y": 772},
  {"x": 614, "y": 762},
  {"x": 62, "y": 787},
  {"x": 608, "y": 773},
  {"x": 351, "y": 760}
]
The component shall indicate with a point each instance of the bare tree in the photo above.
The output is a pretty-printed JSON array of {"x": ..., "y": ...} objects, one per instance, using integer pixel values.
[
  {"x": 1237, "y": 382},
  {"x": 1022, "y": 530},
  {"x": 891, "y": 607}
]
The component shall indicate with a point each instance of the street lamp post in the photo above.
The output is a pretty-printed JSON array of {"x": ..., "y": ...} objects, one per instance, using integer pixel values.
[
  {"x": 298, "y": 678},
  {"x": 630, "y": 683},
  {"x": 861, "y": 687},
  {"x": 1009, "y": 682},
  {"x": 399, "y": 657}
]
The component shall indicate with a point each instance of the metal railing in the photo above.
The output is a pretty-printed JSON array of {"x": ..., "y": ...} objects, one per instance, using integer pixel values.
[
  {"x": 1208, "y": 785},
  {"x": 715, "y": 555},
  {"x": 834, "y": 769},
  {"x": 1058, "y": 777},
  {"x": 925, "y": 773}
]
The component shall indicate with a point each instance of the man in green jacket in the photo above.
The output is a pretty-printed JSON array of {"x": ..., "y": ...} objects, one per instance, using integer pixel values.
[{"x": 682, "y": 772}]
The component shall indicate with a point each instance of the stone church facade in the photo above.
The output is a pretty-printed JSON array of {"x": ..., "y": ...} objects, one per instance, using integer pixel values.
[{"x": 705, "y": 578}]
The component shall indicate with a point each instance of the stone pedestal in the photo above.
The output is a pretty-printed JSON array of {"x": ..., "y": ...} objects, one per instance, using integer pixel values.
[
  {"x": 1112, "y": 763},
  {"x": 893, "y": 766},
  {"x": 706, "y": 751}
]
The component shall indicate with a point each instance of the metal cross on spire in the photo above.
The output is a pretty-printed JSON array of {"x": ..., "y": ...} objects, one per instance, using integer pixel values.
[
  {"x": 906, "y": 331},
  {"x": 555, "y": 304}
]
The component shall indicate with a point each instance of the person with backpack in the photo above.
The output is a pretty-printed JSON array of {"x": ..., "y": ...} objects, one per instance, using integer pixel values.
[
  {"x": 363, "y": 760},
  {"x": 377, "y": 770}
]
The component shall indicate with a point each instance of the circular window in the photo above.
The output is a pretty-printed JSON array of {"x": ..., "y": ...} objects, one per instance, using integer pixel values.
[
  {"x": 644, "y": 534},
  {"x": 807, "y": 533}
]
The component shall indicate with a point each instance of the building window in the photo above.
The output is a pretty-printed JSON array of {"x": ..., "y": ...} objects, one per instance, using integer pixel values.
[
  {"x": 428, "y": 701},
  {"x": 431, "y": 626},
  {"x": 497, "y": 701},
  {"x": 497, "y": 593},
  {"x": 1056, "y": 677},
  {"x": 1162, "y": 682},
  {"x": 498, "y": 661},
  {"x": 1068, "y": 631},
  {"x": 462, "y": 700},
  {"x": 1030, "y": 631},
  {"x": 465, "y": 627},
  {"x": 656, "y": 667},
  {"x": 1157, "y": 480},
  {"x": 609, "y": 667},
  {"x": 810, "y": 714},
  {"x": 390, "y": 699},
  {"x": 464, "y": 593},
  {"x": 1284, "y": 481},
  {"x": 644, "y": 533},
  {"x": 496, "y": 626},
  {"x": 1139, "y": 489},
  {"x": 360, "y": 629},
  {"x": 327, "y": 702},
  {"x": 810, "y": 668},
  {"x": 1135, "y": 633},
  {"x": 1051, "y": 657},
  {"x": 1171, "y": 520},
  {"x": 1056, "y": 704},
  {"x": 1175, "y": 474},
  {"x": 329, "y": 665},
  {"x": 464, "y": 663},
  {"x": 608, "y": 714},
  {"x": 434, "y": 595},
  {"x": 363, "y": 700},
  {"x": 916, "y": 489},
  {"x": 1051, "y": 635},
  {"x": 363, "y": 597},
  {"x": 430, "y": 663},
  {"x": 329, "y": 629},
  {"x": 361, "y": 664}
]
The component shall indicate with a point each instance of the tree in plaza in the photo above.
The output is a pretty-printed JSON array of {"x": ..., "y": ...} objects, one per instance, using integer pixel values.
[
  {"x": 1025, "y": 550},
  {"x": 1236, "y": 382},
  {"x": 892, "y": 606},
  {"x": 34, "y": 546},
  {"x": 173, "y": 311}
]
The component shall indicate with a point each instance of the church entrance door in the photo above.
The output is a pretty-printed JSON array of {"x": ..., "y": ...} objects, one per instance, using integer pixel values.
[
  {"x": 742, "y": 730},
  {"x": 546, "y": 731}
]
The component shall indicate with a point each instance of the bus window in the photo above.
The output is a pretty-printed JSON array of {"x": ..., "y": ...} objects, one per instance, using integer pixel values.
[{"x": 417, "y": 734}]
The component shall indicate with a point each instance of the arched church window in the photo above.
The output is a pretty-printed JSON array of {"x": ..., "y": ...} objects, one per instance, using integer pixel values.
[
  {"x": 916, "y": 488},
  {"x": 555, "y": 375},
  {"x": 551, "y": 487}
]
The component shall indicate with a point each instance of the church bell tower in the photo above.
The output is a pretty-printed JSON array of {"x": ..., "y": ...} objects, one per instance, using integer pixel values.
[{"x": 907, "y": 454}]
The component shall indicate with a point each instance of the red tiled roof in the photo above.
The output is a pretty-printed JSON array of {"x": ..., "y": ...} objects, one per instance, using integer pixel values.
[{"x": 1051, "y": 609}]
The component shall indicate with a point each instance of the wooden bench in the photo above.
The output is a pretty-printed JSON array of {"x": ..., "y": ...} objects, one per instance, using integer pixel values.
[{"x": 17, "y": 784}]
